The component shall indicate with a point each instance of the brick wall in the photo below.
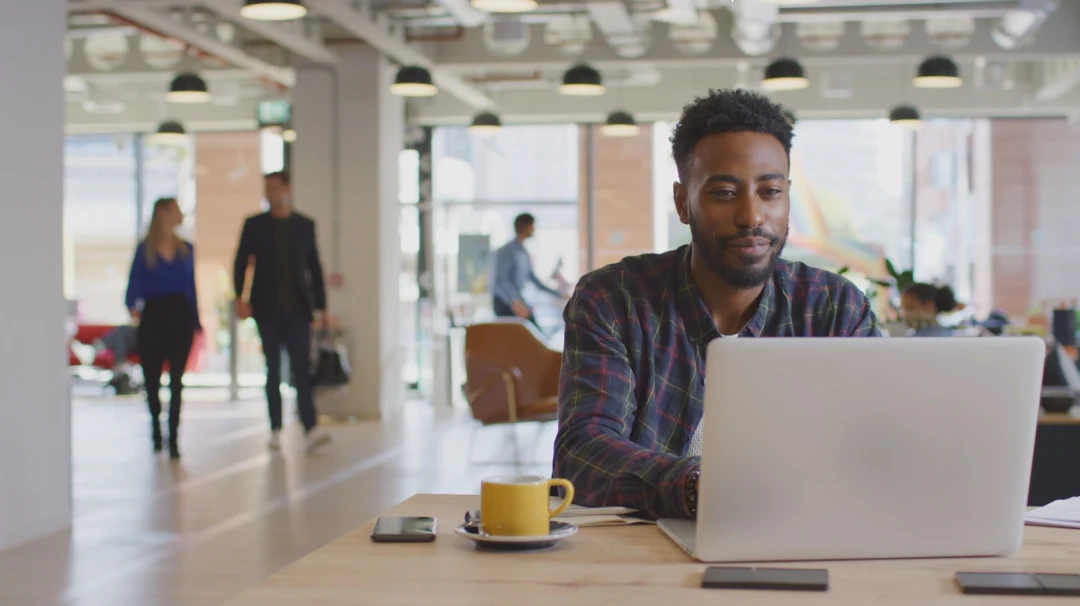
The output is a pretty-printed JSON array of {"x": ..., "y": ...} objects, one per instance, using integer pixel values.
[
  {"x": 1036, "y": 213},
  {"x": 623, "y": 197},
  {"x": 228, "y": 185}
]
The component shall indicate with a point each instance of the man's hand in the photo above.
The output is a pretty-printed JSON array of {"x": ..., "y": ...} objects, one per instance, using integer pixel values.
[
  {"x": 324, "y": 320},
  {"x": 243, "y": 309},
  {"x": 136, "y": 315},
  {"x": 520, "y": 309}
]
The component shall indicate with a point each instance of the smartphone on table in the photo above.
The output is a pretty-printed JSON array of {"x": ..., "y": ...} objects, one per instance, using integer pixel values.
[{"x": 404, "y": 530}]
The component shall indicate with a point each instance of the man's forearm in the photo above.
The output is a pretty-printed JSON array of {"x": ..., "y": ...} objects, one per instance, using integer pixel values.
[{"x": 612, "y": 471}]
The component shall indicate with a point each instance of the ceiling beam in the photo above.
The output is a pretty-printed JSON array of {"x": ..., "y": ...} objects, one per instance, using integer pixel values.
[
  {"x": 874, "y": 90},
  {"x": 400, "y": 52},
  {"x": 464, "y": 13},
  {"x": 160, "y": 23},
  {"x": 293, "y": 41}
]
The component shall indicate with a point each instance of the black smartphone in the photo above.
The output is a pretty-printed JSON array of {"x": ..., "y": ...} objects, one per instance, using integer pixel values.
[
  {"x": 1018, "y": 583},
  {"x": 404, "y": 530},
  {"x": 789, "y": 579}
]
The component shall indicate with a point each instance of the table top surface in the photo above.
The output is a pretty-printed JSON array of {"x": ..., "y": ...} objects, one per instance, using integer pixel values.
[
  {"x": 625, "y": 565},
  {"x": 1060, "y": 418}
]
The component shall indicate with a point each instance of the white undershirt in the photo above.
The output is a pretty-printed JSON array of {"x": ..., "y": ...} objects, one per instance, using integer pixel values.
[{"x": 695, "y": 440}]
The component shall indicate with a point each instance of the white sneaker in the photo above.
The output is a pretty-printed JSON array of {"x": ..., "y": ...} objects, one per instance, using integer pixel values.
[
  {"x": 275, "y": 440},
  {"x": 316, "y": 438}
]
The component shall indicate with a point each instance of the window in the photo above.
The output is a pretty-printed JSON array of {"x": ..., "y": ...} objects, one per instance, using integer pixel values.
[{"x": 100, "y": 224}]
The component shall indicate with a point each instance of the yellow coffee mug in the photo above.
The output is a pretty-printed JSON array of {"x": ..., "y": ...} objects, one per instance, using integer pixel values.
[{"x": 517, "y": 506}]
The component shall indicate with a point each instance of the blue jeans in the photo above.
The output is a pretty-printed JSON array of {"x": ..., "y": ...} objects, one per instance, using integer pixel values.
[{"x": 293, "y": 331}]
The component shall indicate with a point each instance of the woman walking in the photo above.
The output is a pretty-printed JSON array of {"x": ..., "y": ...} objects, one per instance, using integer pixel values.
[{"x": 161, "y": 298}]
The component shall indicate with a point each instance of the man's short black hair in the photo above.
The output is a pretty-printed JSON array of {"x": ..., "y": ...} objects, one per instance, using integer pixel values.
[
  {"x": 522, "y": 221},
  {"x": 727, "y": 111},
  {"x": 281, "y": 175}
]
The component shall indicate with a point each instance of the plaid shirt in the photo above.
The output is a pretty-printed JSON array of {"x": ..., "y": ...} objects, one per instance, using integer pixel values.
[{"x": 633, "y": 370}]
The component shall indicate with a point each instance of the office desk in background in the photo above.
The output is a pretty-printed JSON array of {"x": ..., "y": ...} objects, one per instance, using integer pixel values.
[
  {"x": 1055, "y": 467},
  {"x": 625, "y": 565}
]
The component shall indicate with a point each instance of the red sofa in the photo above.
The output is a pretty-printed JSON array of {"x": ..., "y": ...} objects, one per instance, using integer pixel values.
[{"x": 88, "y": 333}]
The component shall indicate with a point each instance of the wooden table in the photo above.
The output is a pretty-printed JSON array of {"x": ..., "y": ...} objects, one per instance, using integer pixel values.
[{"x": 623, "y": 566}]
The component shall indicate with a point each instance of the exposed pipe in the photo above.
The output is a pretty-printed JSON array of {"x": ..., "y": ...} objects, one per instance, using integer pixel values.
[
  {"x": 458, "y": 34},
  {"x": 1016, "y": 28},
  {"x": 753, "y": 29},
  {"x": 494, "y": 79},
  {"x": 188, "y": 48}
]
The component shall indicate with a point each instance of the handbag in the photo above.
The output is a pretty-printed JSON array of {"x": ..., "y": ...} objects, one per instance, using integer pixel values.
[{"x": 331, "y": 366}]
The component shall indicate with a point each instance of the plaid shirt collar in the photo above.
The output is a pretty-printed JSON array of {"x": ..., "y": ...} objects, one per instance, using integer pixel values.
[{"x": 696, "y": 317}]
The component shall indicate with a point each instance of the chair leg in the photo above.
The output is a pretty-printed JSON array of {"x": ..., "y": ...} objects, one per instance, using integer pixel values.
[
  {"x": 516, "y": 444},
  {"x": 472, "y": 441}
]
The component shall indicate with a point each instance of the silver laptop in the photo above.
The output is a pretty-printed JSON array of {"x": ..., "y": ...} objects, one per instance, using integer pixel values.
[{"x": 837, "y": 448}]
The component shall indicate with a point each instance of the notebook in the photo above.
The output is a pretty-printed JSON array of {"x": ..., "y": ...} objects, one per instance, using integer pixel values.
[{"x": 1064, "y": 513}]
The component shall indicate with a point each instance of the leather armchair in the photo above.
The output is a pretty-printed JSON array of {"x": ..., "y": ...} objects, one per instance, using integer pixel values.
[{"x": 511, "y": 376}]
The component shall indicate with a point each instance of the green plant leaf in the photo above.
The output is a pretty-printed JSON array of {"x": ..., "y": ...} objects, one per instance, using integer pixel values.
[
  {"x": 889, "y": 267},
  {"x": 843, "y": 270}
]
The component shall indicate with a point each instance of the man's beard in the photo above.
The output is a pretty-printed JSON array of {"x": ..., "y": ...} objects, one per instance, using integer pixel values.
[{"x": 741, "y": 278}]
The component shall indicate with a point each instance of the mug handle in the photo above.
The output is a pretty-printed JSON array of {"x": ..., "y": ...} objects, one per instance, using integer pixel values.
[{"x": 569, "y": 488}]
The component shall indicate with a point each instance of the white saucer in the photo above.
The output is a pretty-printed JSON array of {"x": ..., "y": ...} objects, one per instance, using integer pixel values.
[{"x": 559, "y": 531}]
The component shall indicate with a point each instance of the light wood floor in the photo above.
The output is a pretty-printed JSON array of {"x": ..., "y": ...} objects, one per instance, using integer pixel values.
[{"x": 150, "y": 532}]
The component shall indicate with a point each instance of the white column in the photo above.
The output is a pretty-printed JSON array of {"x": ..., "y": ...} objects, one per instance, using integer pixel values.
[
  {"x": 345, "y": 174},
  {"x": 35, "y": 406}
]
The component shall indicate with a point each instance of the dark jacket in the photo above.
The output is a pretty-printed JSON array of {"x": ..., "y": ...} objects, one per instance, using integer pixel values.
[{"x": 257, "y": 244}]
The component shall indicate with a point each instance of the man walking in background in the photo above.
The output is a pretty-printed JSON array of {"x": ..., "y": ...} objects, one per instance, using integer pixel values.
[
  {"x": 511, "y": 268},
  {"x": 287, "y": 287}
]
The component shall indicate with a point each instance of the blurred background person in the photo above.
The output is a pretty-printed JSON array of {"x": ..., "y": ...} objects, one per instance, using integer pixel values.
[
  {"x": 161, "y": 298},
  {"x": 287, "y": 288},
  {"x": 511, "y": 268},
  {"x": 922, "y": 305}
]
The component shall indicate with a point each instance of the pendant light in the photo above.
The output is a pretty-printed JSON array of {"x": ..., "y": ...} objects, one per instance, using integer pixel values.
[
  {"x": 620, "y": 124},
  {"x": 188, "y": 88},
  {"x": 582, "y": 81},
  {"x": 413, "y": 81},
  {"x": 938, "y": 72},
  {"x": 905, "y": 116},
  {"x": 784, "y": 74},
  {"x": 504, "y": 6},
  {"x": 170, "y": 131},
  {"x": 485, "y": 123},
  {"x": 273, "y": 10}
]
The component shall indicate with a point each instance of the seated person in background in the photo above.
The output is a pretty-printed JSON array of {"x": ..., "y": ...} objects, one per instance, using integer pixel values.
[
  {"x": 920, "y": 305},
  {"x": 632, "y": 379},
  {"x": 121, "y": 340}
]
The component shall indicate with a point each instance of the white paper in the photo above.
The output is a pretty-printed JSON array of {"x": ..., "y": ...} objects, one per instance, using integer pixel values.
[
  {"x": 596, "y": 516},
  {"x": 587, "y": 521},
  {"x": 1064, "y": 513}
]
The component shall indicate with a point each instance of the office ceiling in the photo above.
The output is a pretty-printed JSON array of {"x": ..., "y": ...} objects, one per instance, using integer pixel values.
[{"x": 1018, "y": 57}]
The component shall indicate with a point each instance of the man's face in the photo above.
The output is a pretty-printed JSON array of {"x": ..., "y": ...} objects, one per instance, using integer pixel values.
[
  {"x": 527, "y": 231},
  {"x": 277, "y": 192},
  {"x": 734, "y": 197}
]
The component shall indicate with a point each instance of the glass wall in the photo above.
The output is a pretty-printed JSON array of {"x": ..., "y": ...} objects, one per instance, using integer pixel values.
[
  {"x": 101, "y": 225},
  {"x": 866, "y": 191},
  {"x": 480, "y": 184}
]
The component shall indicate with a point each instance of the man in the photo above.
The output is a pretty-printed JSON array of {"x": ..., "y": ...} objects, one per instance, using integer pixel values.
[
  {"x": 632, "y": 379},
  {"x": 286, "y": 288},
  {"x": 511, "y": 268}
]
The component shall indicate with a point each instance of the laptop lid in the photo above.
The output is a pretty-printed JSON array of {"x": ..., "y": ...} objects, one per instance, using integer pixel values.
[{"x": 836, "y": 448}]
